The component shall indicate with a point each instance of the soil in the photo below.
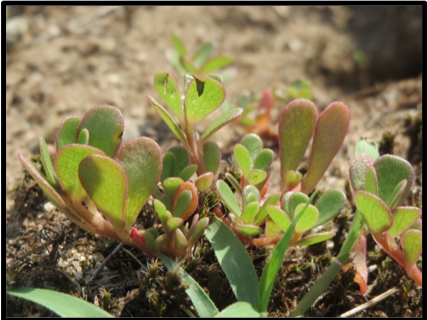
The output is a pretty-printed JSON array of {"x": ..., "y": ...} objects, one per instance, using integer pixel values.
[{"x": 63, "y": 60}]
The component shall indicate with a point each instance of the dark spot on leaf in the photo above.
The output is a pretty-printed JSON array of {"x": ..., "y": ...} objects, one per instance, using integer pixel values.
[{"x": 200, "y": 86}]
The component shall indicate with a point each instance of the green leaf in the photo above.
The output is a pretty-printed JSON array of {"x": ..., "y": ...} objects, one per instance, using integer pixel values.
[
  {"x": 329, "y": 205},
  {"x": 168, "y": 91},
  {"x": 203, "y": 96},
  {"x": 67, "y": 132},
  {"x": 178, "y": 45},
  {"x": 142, "y": 161},
  {"x": 331, "y": 129},
  {"x": 168, "y": 120},
  {"x": 369, "y": 147},
  {"x": 83, "y": 137},
  {"x": 194, "y": 200},
  {"x": 395, "y": 195},
  {"x": 62, "y": 304},
  {"x": 249, "y": 212},
  {"x": 220, "y": 122},
  {"x": 358, "y": 168},
  {"x": 235, "y": 184},
  {"x": 188, "y": 172},
  {"x": 182, "y": 203},
  {"x": 307, "y": 222},
  {"x": 169, "y": 166},
  {"x": 198, "y": 230},
  {"x": 375, "y": 212},
  {"x": 271, "y": 229},
  {"x": 248, "y": 230},
  {"x": 204, "y": 181},
  {"x": 240, "y": 310},
  {"x": 273, "y": 265},
  {"x": 211, "y": 156},
  {"x": 262, "y": 214},
  {"x": 106, "y": 184},
  {"x": 243, "y": 158},
  {"x": 391, "y": 170},
  {"x": 371, "y": 182},
  {"x": 181, "y": 241},
  {"x": 105, "y": 125},
  {"x": 171, "y": 185},
  {"x": 216, "y": 63},
  {"x": 201, "y": 301},
  {"x": 250, "y": 194},
  {"x": 403, "y": 218},
  {"x": 202, "y": 54},
  {"x": 234, "y": 261},
  {"x": 412, "y": 242},
  {"x": 228, "y": 198},
  {"x": 280, "y": 218},
  {"x": 314, "y": 238},
  {"x": 296, "y": 126},
  {"x": 182, "y": 157},
  {"x": 47, "y": 164},
  {"x": 67, "y": 162},
  {"x": 257, "y": 176},
  {"x": 253, "y": 143},
  {"x": 162, "y": 212},
  {"x": 295, "y": 199},
  {"x": 264, "y": 159},
  {"x": 172, "y": 224}
]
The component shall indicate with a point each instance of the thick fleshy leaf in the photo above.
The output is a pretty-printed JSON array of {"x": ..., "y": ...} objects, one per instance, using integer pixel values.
[
  {"x": 243, "y": 158},
  {"x": 264, "y": 159},
  {"x": 240, "y": 310},
  {"x": 188, "y": 172},
  {"x": 308, "y": 220},
  {"x": 253, "y": 144},
  {"x": 178, "y": 46},
  {"x": 295, "y": 199},
  {"x": 248, "y": 230},
  {"x": 66, "y": 164},
  {"x": 280, "y": 218},
  {"x": 412, "y": 243},
  {"x": 169, "y": 166},
  {"x": 375, "y": 212},
  {"x": 202, "y": 54},
  {"x": 234, "y": 183},
  {"x": 105, "y": 125},
  {"x": 329, "y": 205},
  {"x": 292, "y": 178},
  {"x": 201, "y": 226},
  {"x": 228, "y": 198},
  {"x": 397, "y": 192},
  {"x": 403, "y": 218},
  {"x": 217, "y": 78},
  {"x": 182, "y": 203},
  {"x": 371, "y": 182},
  {"x": 271, "y": 228},
  {"x": 221, "y": 121},
  {"x": 369, "y": 147},
  {"x": 83, "y": 137},
  {"x": 314, "y": 238},
  {"x": 250, "y": 194},
  {"x": 391, "y": 170},
  {"x": 262, "y": 214},
  {"x": 159, "y": 242},
  {"x": 234, "y": 260},
  {"x": 211, "y": 156},
  {"x": 162, "y": 212},
  {"x": 249, "y": 212},
  {"x": 357, "y": 171},
  {"x": 47, "y": 164},
  {"x": 203, "y": 96},
  {"x": 182, "y": 157},
  {"x": 106, "y": 184},
  {"x": 142, "y": 161},
  {"x": 187, "y": 186},
  {"x": 257, "y": 176},
  {"x": 216, "y": 64},
  {"x": 67, "y": 132},
  {"x": 171, "y": 185},
  {"x": 181, "y": 241},
  {"x": 296, "y": 126},
  {"x": 167, "y": 201},
  {"x": 168, "y": 90},
  {"x": 149, "y": 240},
  {"x": 204, "y": 182},
  {"x": 167, "y": 118},
  {"x": 172, "y": 224},
  {"x": 331, "y": 129}
]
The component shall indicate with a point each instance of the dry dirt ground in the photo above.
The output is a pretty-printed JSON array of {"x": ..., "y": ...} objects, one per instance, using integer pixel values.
[{"x": 63, "y": 60}]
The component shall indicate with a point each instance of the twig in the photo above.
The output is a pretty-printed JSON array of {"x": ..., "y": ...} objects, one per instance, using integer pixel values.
[
  {"x": 98, "y": 270},
  {"x": 133, "y": 256},
  {"x": 368, "y": 304}
]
